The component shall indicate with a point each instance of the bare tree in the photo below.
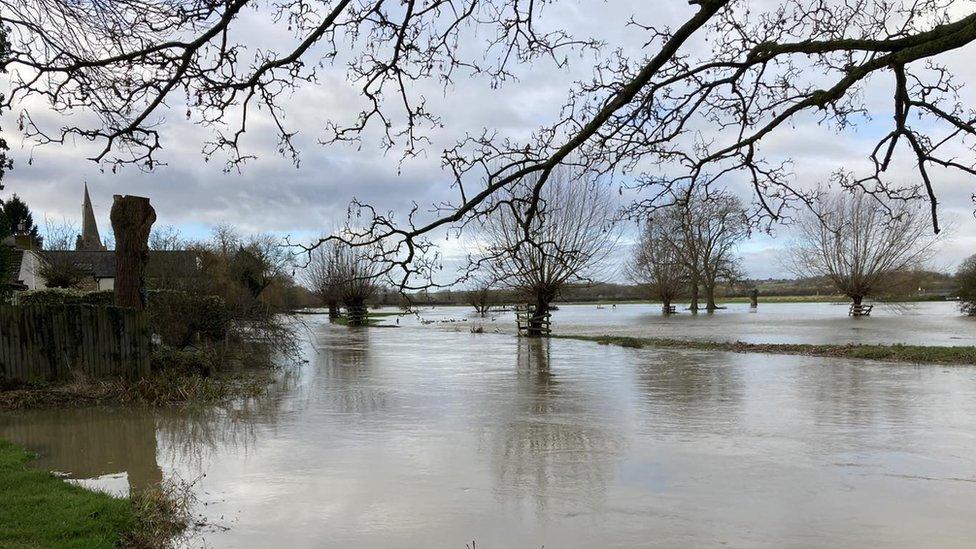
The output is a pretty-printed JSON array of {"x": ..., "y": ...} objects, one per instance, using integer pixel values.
[
  {"x": 259, "y": 262},
  {"x": 859, "y": 244},
  {"x": 322, "y": 276},
  {"x": 710, "y": 227},
  {"x": 167, "y": 238},
  {"x": 481, "y": 296},
  {"x": 59, "y": 235},
  {"x": 225, "y": 239},
  {"x": 59, "y": 270},
  {"x": 567, "y": 241},
  {"x": 356, "y": 269},
  {"x": 657, "y": 262},
  {"x": 966, "y": 278},
  {"x": 744, "y": 70}
]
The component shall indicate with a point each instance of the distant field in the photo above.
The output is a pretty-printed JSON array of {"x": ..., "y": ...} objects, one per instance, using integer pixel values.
[
  {"x": 915, "y": 354},
  {"x": 762, "y": 299}
]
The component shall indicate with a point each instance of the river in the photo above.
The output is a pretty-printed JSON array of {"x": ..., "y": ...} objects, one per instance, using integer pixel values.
[{"x": 432, "y": 436}]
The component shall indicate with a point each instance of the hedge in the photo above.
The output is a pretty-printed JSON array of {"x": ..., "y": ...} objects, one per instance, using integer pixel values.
[{"x": 59, "y": 296}]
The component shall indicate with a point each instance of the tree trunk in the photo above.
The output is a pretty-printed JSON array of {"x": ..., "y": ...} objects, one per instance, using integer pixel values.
[
  {"x": 537, "y": 325},
  {"x": 132, "y": 218},
  {"x": 333, "y": 310},
  {"x": 694, "y": 297},
  {"x": 710, "y": 305},
  {"x": 666, "y": 306},
  {"x": 857, "y": 299}
]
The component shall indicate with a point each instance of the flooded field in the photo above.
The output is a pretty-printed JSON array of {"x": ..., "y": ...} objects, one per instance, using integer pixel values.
[
  {"x": 424, "y": 437},
  {"x": 926, "y": 323}
]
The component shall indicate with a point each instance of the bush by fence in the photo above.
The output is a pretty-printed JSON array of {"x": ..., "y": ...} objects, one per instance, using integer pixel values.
[
  {"x": 59, "y": 296},
  {"x": 180, "y": 318},
  {"x": 55, "y": 343}
]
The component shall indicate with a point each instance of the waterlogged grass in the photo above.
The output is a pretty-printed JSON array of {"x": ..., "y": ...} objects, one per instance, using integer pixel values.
[
  {"x": 889, "y": 353},
  {"x": 39, "y": 510},
  {"x": 372, "y": 319}
]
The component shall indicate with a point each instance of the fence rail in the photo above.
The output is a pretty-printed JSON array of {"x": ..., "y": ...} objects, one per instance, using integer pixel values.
[
  {"x": 526, "y": 320},
  {"x": 55, "y": 343}
]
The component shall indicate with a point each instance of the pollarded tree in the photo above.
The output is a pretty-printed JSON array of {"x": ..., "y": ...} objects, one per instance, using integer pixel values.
[
  {"x": 966, "y": 279},
  {"x": 861, "y": 245},
  {"x": 322, "y": 276},
  {"x": 356, "y": 269},
  {"x": 567, "y": 241},
  {"x": 657, "y": 262}
]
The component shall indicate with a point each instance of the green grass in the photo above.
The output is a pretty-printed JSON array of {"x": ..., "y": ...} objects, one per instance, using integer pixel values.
[
  {"x": 372, "y": 319},
  {"x": 39, "y": 510},
  {"x": 918, "y": 354}
]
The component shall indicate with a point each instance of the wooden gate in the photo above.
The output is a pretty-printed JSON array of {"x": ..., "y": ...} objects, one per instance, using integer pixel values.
[
  {"x": 56, "y": 343},
  {"x": 524, "y": 316}
]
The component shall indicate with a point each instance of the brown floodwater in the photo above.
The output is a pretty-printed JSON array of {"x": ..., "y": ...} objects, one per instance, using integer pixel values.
[{"x": 418, "y": 437}]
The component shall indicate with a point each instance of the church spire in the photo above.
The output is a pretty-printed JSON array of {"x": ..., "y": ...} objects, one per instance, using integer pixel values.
[{"x": 89, "y": 240}]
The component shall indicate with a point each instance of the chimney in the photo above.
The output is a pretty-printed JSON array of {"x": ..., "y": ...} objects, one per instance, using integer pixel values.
[{"x": 23, "y": 239}]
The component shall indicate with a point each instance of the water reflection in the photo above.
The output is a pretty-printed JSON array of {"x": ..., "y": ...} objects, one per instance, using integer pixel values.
[
  {"x": 854, "y": 394},
  {"x": 189, "y": 436},
  {"x": 345, "y": 375},
  {"x": 542, "y": 453},
  {"x": 89, "y": 443},
  {"x": 689, "y": 389}
]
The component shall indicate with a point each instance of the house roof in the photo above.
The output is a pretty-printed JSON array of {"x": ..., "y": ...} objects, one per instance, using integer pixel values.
[
  {"x": 13, "y": 268},
  {"x": 101, "y": 264}
]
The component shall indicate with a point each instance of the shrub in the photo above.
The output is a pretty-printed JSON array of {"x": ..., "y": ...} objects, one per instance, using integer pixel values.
[
  {"x": 966, "y": 278},
  {"x": 61, "y": 273},
  {"x": 59, "y": 296},
  {"x": 180, "y": 318},
  {"x": 170, "y": 360}
]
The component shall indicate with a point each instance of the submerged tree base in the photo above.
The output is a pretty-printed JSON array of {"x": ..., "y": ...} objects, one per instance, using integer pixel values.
[{"x": 918, "y": 354}]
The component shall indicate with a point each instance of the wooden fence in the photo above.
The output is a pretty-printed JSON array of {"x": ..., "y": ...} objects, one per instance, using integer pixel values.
[{"x": 54, "y": 343}]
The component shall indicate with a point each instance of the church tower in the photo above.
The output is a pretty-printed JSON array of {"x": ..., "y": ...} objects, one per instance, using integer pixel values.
[{"x": 88, "y": 241}]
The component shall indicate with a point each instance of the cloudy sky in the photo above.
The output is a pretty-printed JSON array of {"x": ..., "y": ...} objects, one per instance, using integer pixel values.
[{"x": 271, "y": 194}]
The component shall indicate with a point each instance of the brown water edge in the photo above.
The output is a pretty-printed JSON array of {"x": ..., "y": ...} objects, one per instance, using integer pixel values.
[{"x": 422, "y": 438}]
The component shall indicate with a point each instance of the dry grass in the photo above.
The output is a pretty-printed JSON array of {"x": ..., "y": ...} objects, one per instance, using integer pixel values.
[
  {"x": 159, "y": 389},
  {"x": 162, "y": 515}
]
